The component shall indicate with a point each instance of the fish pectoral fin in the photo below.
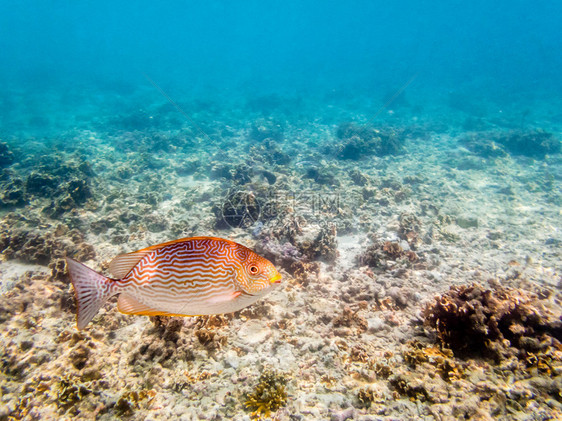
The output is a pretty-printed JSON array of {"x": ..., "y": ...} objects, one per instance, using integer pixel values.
[
  {"x": 130, "y": 305},
  {"x": 224, "y": 298}
]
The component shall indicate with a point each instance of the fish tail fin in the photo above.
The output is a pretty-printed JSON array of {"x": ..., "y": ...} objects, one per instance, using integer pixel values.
[{"x": 91, "y": 290}]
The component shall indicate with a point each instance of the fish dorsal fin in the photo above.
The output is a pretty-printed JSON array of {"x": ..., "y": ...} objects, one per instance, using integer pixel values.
[{"x": 121, "y": 265}]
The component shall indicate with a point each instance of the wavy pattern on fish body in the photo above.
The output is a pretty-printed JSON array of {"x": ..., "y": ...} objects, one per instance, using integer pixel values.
[
  {"x": 189, "y": 276},
  {"x": 182, "y": 276}
]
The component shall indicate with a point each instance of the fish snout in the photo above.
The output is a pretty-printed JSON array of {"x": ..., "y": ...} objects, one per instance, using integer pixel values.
[{"x": 276, "y": 279}]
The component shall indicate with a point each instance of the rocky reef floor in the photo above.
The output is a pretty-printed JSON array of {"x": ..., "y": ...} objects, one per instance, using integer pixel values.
[{"x": 421, "y": 263}]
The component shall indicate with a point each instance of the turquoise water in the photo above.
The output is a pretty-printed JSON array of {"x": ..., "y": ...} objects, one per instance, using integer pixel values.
[
  {"x": 377, "y": 153},
  {"x": 354, "y": 54}
]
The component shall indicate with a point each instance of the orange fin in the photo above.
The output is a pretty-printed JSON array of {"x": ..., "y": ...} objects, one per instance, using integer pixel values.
[
  {"x": 225, "y": 298},
  {"x": 130, "y": 305},
  {"x": 183, "y": 240}
]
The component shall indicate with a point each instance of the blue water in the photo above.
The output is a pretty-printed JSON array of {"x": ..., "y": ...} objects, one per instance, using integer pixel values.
[
  {"x": 377, "y": 153},
  {"x": 497, "y": 52}
]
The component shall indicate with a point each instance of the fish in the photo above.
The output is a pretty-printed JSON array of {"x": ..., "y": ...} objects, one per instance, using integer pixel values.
[{"x": 187, "y": 277}]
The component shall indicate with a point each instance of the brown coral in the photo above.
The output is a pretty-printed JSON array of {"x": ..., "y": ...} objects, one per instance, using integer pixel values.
[
  {"x": 472, "y": 320},
  {"x": 377, "y": 255},
  {"x": 350, "y": 319}
]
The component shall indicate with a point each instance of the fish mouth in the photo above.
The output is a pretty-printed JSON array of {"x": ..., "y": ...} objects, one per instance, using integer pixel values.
[{"x": 276, "y": 279}]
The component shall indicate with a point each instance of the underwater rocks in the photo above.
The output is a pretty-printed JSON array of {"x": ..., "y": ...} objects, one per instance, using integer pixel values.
[
  {"x": 359, "y": 142},
  {"x": 265, "y": 129},
  {"x": 269, "y": 152},
  {"x": 533, "y": 144},
  {"x": 323, "y": 173},
  {"x": 6, "y": 155},
  {"x": 318, "y": 242},
  {"x": 385, "y": 254},
  {"x": 43, "y": 247},
  {"x": 496, "y": 323},
  {"x": 162, "y": 343},
  {"x": 65, "y": 185}
]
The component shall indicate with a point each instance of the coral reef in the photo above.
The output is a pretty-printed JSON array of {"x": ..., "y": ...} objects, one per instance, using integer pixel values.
[
  {"x": 70, "y": 392},
  {"x": 128, "y": 402},
  {"x": 323, "y": 174},
  {"x": 349, "y": 322},
  {"x": 269, "y": 152},
  {"x": 441, "y": 360},
  {"x": 410, "y": 229},
  {"x": 385, "y": 254},
  {"x": 534, "y": 144},
  {"x": 13, "y": 194},
  {"x": 482, "y": 146},
  {"x": 366, "y": 225},
  {"x": 6, "y": 155},
  {"x": 358, "y": 142},
  {"x": 43, "y": 247},
  {"x": 265, "y": 129},
  {"x": 318, "y": 243},
  {"x": 163, "y": 342},
  {"x": 366, "y": 397},
  {"x": 496, "y": 323}
]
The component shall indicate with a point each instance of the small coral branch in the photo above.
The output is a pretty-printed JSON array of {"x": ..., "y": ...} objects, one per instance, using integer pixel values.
[{"x": 268, "y": 396}]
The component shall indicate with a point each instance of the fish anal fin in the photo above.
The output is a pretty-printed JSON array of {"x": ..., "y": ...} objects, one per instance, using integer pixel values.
[
  {"x": 130, "y": 305},
  {"x": 224, "y": 298}
]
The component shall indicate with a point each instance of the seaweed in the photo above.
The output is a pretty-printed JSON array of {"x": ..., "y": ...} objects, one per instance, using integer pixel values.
[
  {"x": 268, "y": 396},
  {"x": 366, "y": 397},
  {"x": 70, "y": 392},
  {"x": 441, "y": 359},
  {"x": 129, "y": 401}
]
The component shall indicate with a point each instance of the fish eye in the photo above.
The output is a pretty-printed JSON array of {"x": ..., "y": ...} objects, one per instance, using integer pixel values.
[{"x": 254, "y": 270}]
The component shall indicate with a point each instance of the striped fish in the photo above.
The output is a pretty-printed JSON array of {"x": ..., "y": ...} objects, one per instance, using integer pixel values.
[{"x": 186, "y": 277}]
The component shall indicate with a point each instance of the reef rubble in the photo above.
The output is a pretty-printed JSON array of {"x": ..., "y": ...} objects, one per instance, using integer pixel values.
[{"x": 421, "y": 267}]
